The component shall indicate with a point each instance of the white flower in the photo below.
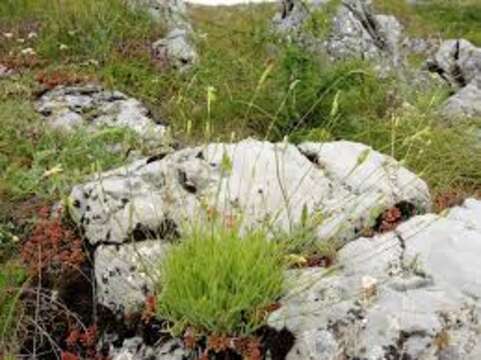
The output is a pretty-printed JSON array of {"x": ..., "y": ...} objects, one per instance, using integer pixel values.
[
  {"x": 8, "y": 35},
  {"x": 20, "y": 40},
  {"x": 32, "y": 35},
  {"x": 28, "y": 51},
  {"x": 63, "y": 47}
]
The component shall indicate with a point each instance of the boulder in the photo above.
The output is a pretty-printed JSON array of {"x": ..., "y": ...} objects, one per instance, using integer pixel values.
[
  {"x": 175, "y": 50},
  {"x": 138, "y": 207},
  {"x": 412, "y": 293},
  {"x": 456, "y": 61},
  {"x": 125, "y": 275},
  {"x": 359, "y": 33},
  {"x": 356, "y": 31},
  {"x": 92, "y": 107},
  {"x": 466, "y": 103},
  {"x": 348, "y": 183}
]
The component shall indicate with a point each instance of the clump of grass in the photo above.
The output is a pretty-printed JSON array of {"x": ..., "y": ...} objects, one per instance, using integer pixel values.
[
  {"x": 218, "y": 280},
  {"x": 12, "y": 276}
]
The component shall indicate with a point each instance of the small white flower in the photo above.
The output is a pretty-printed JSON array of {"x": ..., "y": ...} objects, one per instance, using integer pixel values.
[
  {"x": 32, "y": 35},
  {"x": 8, "y": 35},
  {"x": 63, "y": 47},
  {"x": 28, "y": 51},
  {"x": 20, "y": 40}
]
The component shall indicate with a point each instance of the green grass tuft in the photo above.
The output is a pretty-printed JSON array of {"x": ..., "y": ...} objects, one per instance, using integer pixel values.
[{"x": 217, "y": 280}]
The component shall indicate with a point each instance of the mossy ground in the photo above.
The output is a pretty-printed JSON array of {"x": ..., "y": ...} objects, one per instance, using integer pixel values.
[{"x": 248, "y": 83}]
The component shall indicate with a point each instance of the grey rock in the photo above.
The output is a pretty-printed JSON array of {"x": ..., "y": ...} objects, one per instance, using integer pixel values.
[
  {"x": 358, "y": 33},
  {"x": 135, "y": 349},
  {"x": 425, "y": 302},
  {"x": 92, "y": 107},
  {"x": 168, "y": 12},
  {"x": 457, "y": 61},
  {"x": 348, "y": 184},
  {"x": 466, "y": 103},
  {"x": 176, "y": 50},
  {"x": 125, "y": 275},
  {"x": 5, "y": 72}
]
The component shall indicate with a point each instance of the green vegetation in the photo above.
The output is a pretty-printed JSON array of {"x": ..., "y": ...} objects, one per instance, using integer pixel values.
[
  {"x": 35, "y": 161},
  {"x": 219, "y": 281},
  {"x": 12, "y": 276},
  {"x": 443, "y": 18},
  {"x": 71, "y": 30}
]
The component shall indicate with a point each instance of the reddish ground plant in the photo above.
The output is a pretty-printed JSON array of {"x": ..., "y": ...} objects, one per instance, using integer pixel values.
[
  {"x": 52, "y": 79},
  {"x": 390, "y": 219},
  {"x": 52, "y": 247},
  {"x": 454, "y": 197}
]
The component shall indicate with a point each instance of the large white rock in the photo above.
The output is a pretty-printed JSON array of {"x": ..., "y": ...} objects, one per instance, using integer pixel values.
[
  {"x": 346, "y": 184},
  {"x": 422, "y": 302}
]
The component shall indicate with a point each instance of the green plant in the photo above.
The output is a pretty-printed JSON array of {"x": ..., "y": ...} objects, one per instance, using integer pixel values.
[
  {"x": 218, "y": 279},
  {"x": 80, "y": 30},
  {"x": 12, "y": 277},
  {"x": 35, "y": 160}
]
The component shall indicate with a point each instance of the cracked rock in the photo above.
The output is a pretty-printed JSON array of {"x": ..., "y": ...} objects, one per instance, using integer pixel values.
[
  {"x": 435, "y": 314},
  {"x": 457, "y": 61},
  {"x": 125, "y": 275},
  {"x": 358, "y": 33},
  {"x": 175, "y": 50},
  {"x": 348, "y": 184},
  {"x": 135, "y": 349},
  {"x": 93, "y": 108}
]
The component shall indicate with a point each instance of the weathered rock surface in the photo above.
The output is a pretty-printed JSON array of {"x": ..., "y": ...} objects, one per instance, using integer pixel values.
[
  {"x": 135, "y": 349},
  {"x": 410, "y": 294},
  {"x": 457, "y": 61},
  {"x": 175, "y": 50},
  {"x": 465, "y": 103},
  {"x": 348, "y": 184},
  {"x": 356, "y": 31},
  {"x": 125, "y": 275},
  {"x": 93, "y": 107},
  {"x": 359, "y": 33}
]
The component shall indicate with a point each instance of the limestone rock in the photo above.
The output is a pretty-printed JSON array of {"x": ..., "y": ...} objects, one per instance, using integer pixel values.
[
  {"x": 135, "y": 209},
  {"x": 175, "y": 50},
  {"x": 359, "y": 33},
  {"x": 93, "y": 107},
  {"x": 457, "y": 61},
  {"x": 135, "y": 349},
  {"x": 348, "y": 183},
  {"x": 427, "y": 301},
  {"x": 125, "y": 275},
  {"x": 465, "y": 103}
]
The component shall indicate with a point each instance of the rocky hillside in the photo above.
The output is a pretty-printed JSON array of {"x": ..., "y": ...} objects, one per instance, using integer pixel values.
[{"x": 283, "y": 181}]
